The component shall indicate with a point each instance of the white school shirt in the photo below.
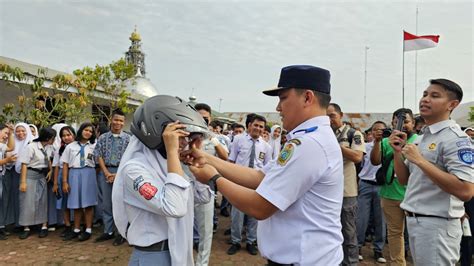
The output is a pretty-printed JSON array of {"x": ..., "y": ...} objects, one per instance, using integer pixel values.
[
  {"x": 71, "y": 155},
  {"x": 241, "y": 149},
  {"x": 306, "y": 184},
  {"x": 151, "y": 205},
  {"x": 34, "y": 155},
  {"x": 368, "y": 169},
  {"x": 3, "y": 151}
]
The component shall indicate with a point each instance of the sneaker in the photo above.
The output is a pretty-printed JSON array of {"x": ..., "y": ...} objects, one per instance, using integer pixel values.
[
  {"x": 24, "y": 234},
  {"x": 104, "y": 237},
  {"x": 251, "y": 249},
  {"x": 71, "y": 235},
  {"x": 233, "y": 249},
  {"x": 43, "y": 233},
  {"x": 360, "y": 255},
  {"x": 119, "y": 240},
  {"x": 84, "y": 236},
  {"x": 66, "y": 230},
  {"x": 379, "y": 257}
]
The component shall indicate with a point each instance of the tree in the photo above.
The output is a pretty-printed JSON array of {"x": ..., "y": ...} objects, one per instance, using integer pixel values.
[
  {"x": 471, "y": 115},
  {"x": 66, "y": 98}
]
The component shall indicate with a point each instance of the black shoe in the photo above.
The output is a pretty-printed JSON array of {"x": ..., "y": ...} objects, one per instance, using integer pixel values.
[
  {"x": 233, "y": 249},
  {"x": 104, "y": 237},
  {"x": 196, "y": 246},
  {"x": 252, "y": 248},
  {"x": 119, "y": 240},
  {"x": 214, "y": 228},
  {"x": 225, "y": 212},
  {"x": 66, "y": 230},
  {"x": 43, "y": 233},
  {"x": 71, "y": 235},
  {"x": 84, "y": 236},
  {"x": 379, "y": 257},
  {"x": 3, "y": 234},
  {"x": 25, "y": 234},
  {"x": 227, "y": 232}
]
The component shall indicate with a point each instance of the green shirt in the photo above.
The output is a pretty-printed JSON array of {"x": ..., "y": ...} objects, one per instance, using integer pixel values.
[{"x": 394, "y": 191}]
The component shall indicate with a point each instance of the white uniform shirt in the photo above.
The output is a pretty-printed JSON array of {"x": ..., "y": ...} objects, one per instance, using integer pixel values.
[
  {"x": 3, "y": 151},
  {"x": 241, "y": 149},
  {"x": 306, "y": 184},
  {"x": 151, "y": 205},
  {"x": 34, "y": 155},
  {"x": 368, "y": 169},
  {"x": 72, "y": 157}
]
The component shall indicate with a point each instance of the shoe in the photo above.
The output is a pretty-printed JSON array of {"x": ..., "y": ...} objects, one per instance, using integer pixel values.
[
  {"x": 251, "y": 248},
  {"x": 104, "y": 237},
  {"x": 233, "y": 249},
  {"x": 196, "y": 246},
  {"x": 214, "y": 228},
  {"x": 70, "y": 236},
  {"x": 25, "y": 234},
  {"x": 43, "y": 233},
  {"x": 227, "y": 232},
  {"x": 66, "y": 230},
  {"x": 225, "y": 212},
  {"x": 3, "y": 234},
  {"x": 51, "y": 229},
  {"x": 379, "y": 257},
  {"x": 119, "y": 240},
  {"x": 360, "y": 255},
  {"x": 84, "y": 236}
]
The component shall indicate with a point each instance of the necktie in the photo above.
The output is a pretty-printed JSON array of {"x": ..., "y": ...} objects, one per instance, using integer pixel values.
[
  {"x": 45, "y": 157},
  {"x": 252, "y": 155},
  {"x": 82, "y": 154}
]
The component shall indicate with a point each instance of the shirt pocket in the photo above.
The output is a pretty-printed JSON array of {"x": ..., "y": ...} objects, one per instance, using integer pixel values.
[{"x": 431, "y": 156}]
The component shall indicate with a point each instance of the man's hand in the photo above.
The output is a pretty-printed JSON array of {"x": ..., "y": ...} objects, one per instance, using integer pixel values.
[
  {"x": 378, "y": 135},
  {"x": 194, "y": 156},
  {"x": 204, "y": 173},
  {"x": 412, "y": 154},
  {"x": 397, "y": 140},
  {"x": 110, "y": 178},
  {"x": 23, "y": 186}
]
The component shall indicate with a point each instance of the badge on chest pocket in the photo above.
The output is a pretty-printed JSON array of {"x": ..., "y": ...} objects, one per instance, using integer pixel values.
[
  {"x": 90, "y": 156},
  {"x": 261, "y": 156}
]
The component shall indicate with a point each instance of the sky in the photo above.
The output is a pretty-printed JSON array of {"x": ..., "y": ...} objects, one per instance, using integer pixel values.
[{"x": 232, "y": 50}]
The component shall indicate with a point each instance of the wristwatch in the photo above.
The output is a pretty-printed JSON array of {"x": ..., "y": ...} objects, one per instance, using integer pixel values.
[{"x": 214, "y": 179}]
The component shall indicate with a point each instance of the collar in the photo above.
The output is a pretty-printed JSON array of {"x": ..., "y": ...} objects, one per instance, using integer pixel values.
[
  {"x": 250, "y": 137},
  {"x": 437, "y": 127},
  {"x": 111, "y": 135},
  {"x": 309, "y": 125},
  {"x": 339, "y": 130}
]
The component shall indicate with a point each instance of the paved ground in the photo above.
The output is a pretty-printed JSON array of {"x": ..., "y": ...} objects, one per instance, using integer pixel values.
[{"x": 53, "y": 251}]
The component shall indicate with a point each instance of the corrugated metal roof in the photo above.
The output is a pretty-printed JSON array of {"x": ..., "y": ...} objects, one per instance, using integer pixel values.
[{"x": 31, "y": 69}]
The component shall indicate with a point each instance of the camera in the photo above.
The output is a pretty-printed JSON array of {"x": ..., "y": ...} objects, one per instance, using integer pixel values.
[
  {"x": 387, "y": 132},
  {"x": 401, "y": 117}
]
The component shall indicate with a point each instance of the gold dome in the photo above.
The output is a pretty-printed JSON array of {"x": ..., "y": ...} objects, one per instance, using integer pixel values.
[{"x": 135, "y": 36}]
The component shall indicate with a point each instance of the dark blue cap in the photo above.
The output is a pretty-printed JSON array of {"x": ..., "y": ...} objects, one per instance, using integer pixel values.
[{"x": 302, "y": 77}]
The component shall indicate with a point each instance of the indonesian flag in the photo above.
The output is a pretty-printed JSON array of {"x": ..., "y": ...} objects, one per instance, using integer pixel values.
[{"x": 412, "y": 42}]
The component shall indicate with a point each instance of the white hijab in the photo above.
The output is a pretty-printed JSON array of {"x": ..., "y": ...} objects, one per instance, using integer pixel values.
[
  {"x": 36, "y": 130},
  {"x": 20, "y": 145},
  {"x": 157, "y": 164},
  {"x": 275, "y": 143}
]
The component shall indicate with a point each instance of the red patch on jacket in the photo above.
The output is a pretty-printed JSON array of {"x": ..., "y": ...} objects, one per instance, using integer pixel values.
[{"x": 148, "y": 191}]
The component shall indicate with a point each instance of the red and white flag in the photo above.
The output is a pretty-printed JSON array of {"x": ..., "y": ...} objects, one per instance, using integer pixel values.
[{"x": 412, "y": 42}]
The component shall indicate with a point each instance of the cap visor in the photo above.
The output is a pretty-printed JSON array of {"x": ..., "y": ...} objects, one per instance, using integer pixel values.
[{"x": 274, "y": 91}]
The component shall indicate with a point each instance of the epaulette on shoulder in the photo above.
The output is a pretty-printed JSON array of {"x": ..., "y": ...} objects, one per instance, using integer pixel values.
[{"x": 458, "y": 131}]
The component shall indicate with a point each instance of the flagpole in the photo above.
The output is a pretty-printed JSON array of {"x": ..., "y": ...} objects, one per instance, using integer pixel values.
[
  {"x": 403, "y": 73},
  {"x": 416, "y": 60}
]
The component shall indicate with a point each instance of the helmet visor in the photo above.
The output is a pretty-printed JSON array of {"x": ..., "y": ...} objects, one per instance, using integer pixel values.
[{"x": 196, "y": 129}]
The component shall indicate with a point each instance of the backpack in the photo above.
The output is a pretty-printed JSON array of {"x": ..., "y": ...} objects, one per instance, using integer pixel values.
[{"x": 380, "y": 175}]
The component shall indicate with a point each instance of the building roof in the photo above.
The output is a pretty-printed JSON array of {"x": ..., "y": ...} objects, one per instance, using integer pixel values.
[{"x": 30, "y": 69}]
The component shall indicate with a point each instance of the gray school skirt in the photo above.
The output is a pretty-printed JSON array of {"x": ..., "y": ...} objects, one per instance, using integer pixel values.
[{"x": 34, "y": 202}]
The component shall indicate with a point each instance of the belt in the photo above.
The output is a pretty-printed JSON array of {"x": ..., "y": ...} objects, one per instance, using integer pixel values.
[
  {"x": 41, "y": 171},
  {"x": 272, "y": 263},
  {"x": 369, "y": 182},
  {"x": 160, "y": 246},
  {"x": 108, "y": 165},
  {"x": 412, "y": 214}
]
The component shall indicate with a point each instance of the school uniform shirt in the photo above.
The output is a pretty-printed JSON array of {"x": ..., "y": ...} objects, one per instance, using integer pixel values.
[
  {"x": 350, "y": 173},
  {"x": 72, "y": 155},
  {"x": 151, "y": 205},
  {"x": 368, "y": 169},
  {"x": 445, "y": 145},
  {"x": 306, "y": 184},
  {"x": 36, "y": 156},
  {"x": 241, "y": 151},
  {"x": 111, "y": 147}
]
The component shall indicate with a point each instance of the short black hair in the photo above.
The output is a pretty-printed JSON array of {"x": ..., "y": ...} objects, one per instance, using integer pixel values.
[
  {"x": 453, "y": 89},
  {"x": 202, "y": 106},
  {"x": 402, "y": 110},
  {"x": 237, "y": 125},
  {"x": 118, "y": 111},
  {"x": 324, "y": 99},
  {"x": 336, "y": 107},
  {"x": 419, "y": 119},
  {"x": 81, "y": 128},
  {"x": 377, "y": 122},
  {"x": 2, "y": 126},
  {"x": 249, "y": 118},
  {"x": 46, "y": 134},
  {"x": 257, "y": 118},
  {"x": 216, "y": 123}
]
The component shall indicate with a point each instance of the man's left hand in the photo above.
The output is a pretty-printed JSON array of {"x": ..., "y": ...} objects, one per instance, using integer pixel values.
[
  {"x": 204, "y": 173},
  {"x": 412, "y": 154}
]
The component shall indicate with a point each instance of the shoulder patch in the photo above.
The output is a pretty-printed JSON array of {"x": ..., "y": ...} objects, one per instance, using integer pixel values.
[
  {"x": 147, "y": 190},
  {"x": 285, "y": 154},
  {"x": 136, "y": 182},
  {"x": 465, "y": 155},
  {"x": 358, "y": 139},
  {"x": 295, "y": 141},
  {"x": 464, "y": 142}
]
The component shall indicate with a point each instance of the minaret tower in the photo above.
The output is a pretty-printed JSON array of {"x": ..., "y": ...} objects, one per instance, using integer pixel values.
[{"x": 134, "y": 55}]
